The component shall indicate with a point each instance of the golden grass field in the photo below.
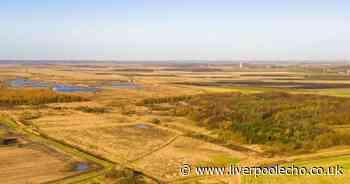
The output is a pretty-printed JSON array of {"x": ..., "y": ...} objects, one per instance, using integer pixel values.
[
  {"x": 32, "y": 164},
  {"x": 155, "y": 149}
]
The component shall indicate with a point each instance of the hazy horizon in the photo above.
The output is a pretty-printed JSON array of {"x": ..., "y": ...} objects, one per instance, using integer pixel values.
[{"x": 166, "y": 31}]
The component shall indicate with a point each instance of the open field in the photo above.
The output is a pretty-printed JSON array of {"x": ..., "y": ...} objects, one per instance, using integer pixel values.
[
  {"x": 150, "y": 119},
  {"x": 139, "y": 145},
  {"x": 33, "y": 164},
  {"x": 28, "y": 161},
  {"x": 119, "y": 143},
  {"x": 165, "y": 162}
]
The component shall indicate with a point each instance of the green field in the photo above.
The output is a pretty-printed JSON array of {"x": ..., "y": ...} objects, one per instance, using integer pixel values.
[{"x": 343, "y": 161}]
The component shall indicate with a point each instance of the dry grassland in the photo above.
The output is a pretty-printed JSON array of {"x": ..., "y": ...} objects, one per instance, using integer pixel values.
[
  {"x": 165, "y": 162},
  {"x": 33, "y": 164},
  {"x": 121, "y": 142}
]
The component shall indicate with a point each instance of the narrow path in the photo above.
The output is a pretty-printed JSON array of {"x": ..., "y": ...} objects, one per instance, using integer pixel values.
[{"x": 155, "y": 150}]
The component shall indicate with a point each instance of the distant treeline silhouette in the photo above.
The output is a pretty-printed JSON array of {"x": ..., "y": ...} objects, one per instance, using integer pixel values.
[{"x": 35, "y": 97}]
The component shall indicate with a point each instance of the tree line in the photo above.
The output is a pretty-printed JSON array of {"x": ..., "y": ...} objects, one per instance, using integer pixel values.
[
  {"x": 35, "y": 97},
  {"x": 286, "y": 122}
]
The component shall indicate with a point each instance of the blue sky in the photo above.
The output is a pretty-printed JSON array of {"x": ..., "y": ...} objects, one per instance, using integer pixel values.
[{"x": 175, "y": 30}]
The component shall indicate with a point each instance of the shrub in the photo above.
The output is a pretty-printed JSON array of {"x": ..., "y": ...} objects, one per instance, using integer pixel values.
[
  {"x": 93, "y": 109},
  {"x": 155, "y": 121}
]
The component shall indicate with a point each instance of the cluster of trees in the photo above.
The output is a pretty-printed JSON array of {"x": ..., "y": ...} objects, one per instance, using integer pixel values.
[
  {"x": 88, "y": 109},
  {"x": 34, "y": 97},
  {"x": 171, "y": 99},
  {"x": 286, "y": 121}
]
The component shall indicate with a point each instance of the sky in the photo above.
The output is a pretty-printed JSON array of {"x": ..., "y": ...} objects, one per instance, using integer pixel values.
[{"x": 175, "y": 29}]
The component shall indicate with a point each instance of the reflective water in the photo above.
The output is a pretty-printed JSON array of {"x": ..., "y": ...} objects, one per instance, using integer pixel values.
[
  {"x": 125, "y": 85},
  {"x": 143, "y": 126},
  {"x": 27, "y": 83},
  {"x": 55, "y": 87},
  {"x": 82, "y": 167},
  {"x": 66, "y": 88}
]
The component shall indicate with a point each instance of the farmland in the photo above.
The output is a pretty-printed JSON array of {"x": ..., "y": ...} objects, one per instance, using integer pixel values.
[
  {"x": 138, "y": 123},
  {"x": 32, "y": 164},
  {"x": 29, "y": 161}
]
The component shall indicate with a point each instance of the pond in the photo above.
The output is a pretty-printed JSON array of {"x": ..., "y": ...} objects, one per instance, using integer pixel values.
[
  {"x": 66, "y": 88},
  {"x": 55, "y": 87},
  {"x": 143, "y": 126},
  {"x": 126, "y": 85},
  {"x": 81, "y": 167},
  {"x": 27, "y": 83}
]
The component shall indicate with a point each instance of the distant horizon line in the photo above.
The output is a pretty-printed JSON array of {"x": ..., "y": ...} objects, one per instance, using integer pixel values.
[
  {"x": 251, "y": 61},
  {"x": 185, "y": 60}
]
